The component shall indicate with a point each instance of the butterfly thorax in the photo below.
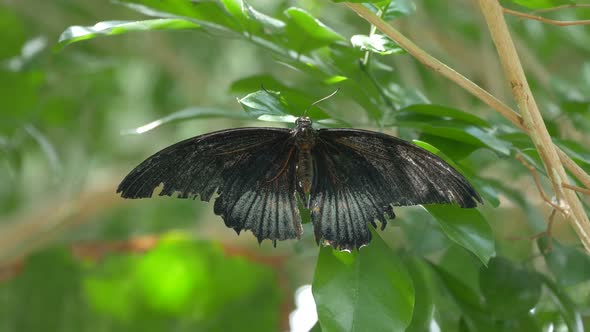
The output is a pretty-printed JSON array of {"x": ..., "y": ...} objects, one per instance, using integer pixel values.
[{"x": 305, "y": 137}]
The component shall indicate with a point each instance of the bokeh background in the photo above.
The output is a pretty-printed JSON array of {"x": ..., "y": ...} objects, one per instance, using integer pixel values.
[{"x": 76, "y": 257}]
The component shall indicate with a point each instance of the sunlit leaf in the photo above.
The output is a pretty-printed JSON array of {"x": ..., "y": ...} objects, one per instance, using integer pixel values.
[
  {"x": 108, "y": 28},
  {"x": 268, "y": 106},
  {"x": 186, "y": 114},
  {"x": 366, "y": 290},
  {"x": 392, "y": 9},
  {"x": 208, "y": 14},
  {"x": 306, "y": 33},
  {"x": 251, "y": 20},
  {"x": 376, "y": 43}
]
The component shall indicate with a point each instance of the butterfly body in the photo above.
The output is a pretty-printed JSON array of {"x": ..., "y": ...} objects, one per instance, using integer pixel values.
[
  {"x": 348, "y": 178},
  {"x": 305, "y": 137}
]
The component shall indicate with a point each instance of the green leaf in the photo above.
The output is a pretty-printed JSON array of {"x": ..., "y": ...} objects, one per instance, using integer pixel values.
[
  {"x": 421, "y": 232},
  {"x": 538, "y": 4},
  {"x": 432, "y": 112},
  {"x": 467, "y": 227},
  {"x": 424, "y": 287},
  {"x": 316, "y": 328},
  {"x": 208, "y": 14},
  {"x": 306, "y": 33},
  {"x": 392, "y": 9},
  {"x": 268, "y": 106},
  {"x": 376, "y": 43},
  {"x": 451, "y": 124},
  {"x": 251, "y": 20},
  {"x": 275, "y": 107},
  {"x": 366, "y": 290},
  {"x": 254, "y": 82},
  {"x": 298, "y": 100},
  {"x": 269, "y": 22},
  {"x": 358, "y": 1},
  {"x": 569, "y": 265},
  {"x": 568, "y": 309},
  {"x": 186, "y": 114},
  {"x": 463, "y": 294},
  {"x": 509, "y": 291},
  {"x": 77, "y": 33}
]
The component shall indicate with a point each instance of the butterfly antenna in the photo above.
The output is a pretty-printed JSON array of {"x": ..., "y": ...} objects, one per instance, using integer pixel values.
[{"x": 319, "y": 101}]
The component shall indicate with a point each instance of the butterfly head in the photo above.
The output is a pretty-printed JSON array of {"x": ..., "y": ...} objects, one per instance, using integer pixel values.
[{"x": 303, "y": 122}]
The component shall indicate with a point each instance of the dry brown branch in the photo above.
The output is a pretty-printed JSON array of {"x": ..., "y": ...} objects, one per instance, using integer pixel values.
[
  {"x": 580, "y": 220},
  {"x": 544, "y": 20},
  {"x": 533, "y": 120},
  {"x": 576, "y": 188},
  {"x": 546, "y": 10}
]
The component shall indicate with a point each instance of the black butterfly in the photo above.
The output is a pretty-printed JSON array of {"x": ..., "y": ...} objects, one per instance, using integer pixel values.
[{"x": 348, "y": 178}]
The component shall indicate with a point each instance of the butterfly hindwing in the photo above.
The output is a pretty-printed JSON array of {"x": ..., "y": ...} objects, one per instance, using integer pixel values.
[
  {"x": 361, "y": 174},
  {"x": 252, "y": 169},
  {"x": 261, "y": 196}
]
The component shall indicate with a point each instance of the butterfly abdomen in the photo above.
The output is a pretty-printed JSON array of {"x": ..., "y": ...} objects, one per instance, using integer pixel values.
[{"x": 305, "y": 137}]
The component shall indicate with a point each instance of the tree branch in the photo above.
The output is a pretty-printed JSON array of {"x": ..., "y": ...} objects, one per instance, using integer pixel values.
[
  {"x": 492, "y": 11},
  {"x": 580, "y": 220},
  {"x": 544, "y": 20},
  {"x": 546, "y": 10}
]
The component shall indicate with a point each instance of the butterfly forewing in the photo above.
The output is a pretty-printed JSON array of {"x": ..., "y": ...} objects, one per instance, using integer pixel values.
[
  {"x": 362, "y": 173},
  {"x": 252, "y": 169}
]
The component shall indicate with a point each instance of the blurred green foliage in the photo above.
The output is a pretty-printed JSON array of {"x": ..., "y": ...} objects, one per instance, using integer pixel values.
[{"x": 89, "y": 90}]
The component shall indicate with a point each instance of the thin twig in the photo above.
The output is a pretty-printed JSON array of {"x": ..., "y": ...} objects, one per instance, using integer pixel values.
[
  {"x": 576, "y": 188},
  {"x": 548, "y": 232},
  {"x": 537, "y": 180},
  {"x": 580, "y": 221},
  {"x": 546, "y": 10},
  {"x": 544, "y": 20}
]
